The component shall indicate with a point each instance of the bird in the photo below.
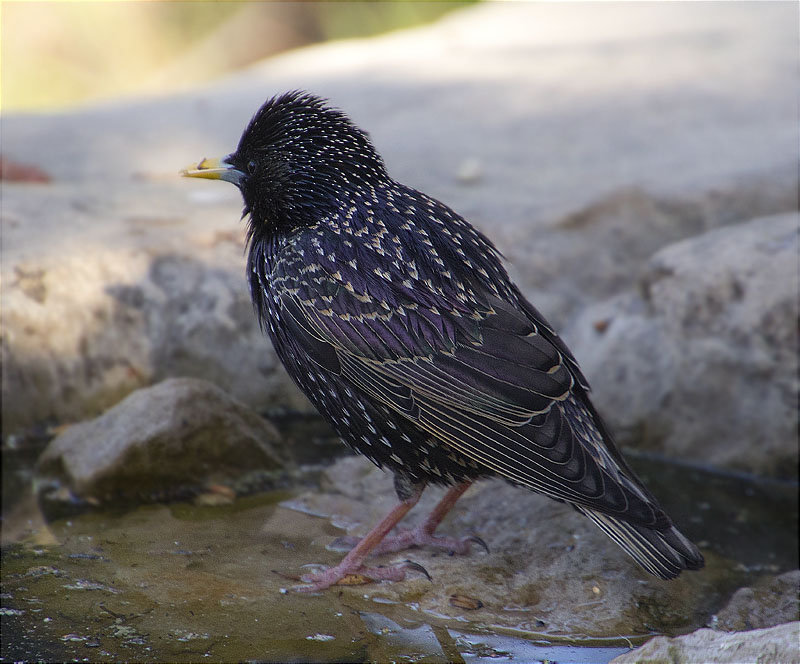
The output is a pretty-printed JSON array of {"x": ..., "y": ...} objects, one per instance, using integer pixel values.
[{"x": 398, "y": 320}]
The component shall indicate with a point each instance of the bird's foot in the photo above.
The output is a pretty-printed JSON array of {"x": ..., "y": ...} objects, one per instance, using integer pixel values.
[
  {"x": 354, "y": 575},
  {"x": 420, "y": 536},
  {"x": 406, "y": 539},
  {"x": 351, "y": 571}
]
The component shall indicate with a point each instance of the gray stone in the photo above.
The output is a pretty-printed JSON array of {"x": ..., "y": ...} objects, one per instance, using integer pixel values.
[
  {"x": 181, "y": 433},
  {"x": 771, "y": 601},
  {"x": 702, "y": 361},
  {"x": 591, "y": 140},
  {"x": 776, "y": 645},
  {"x": 144, "y": 296}
]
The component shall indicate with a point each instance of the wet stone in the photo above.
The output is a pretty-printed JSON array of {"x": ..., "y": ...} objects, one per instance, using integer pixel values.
[
  {"x": 543, "y": 552},
  {"x": 771, "y": 601},
  {"x": 176, "y": 436},
  {"x": 776, "y": 645}
]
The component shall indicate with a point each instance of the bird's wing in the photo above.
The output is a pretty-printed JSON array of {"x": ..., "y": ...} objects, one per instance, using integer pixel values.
[{"x": 486, "y": 382}]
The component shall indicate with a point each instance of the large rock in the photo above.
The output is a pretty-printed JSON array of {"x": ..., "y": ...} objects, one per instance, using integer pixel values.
[
  {"x": 591, "y": 140},
  {"x": 134, "y": 293},
  {"x": 701, "y": 362},
  {"x": 776, "y": 645},
  {"x": 178, "y": 435}
]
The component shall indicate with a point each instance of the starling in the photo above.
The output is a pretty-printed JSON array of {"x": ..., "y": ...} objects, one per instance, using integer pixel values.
[{"x": 399, "y": 322}]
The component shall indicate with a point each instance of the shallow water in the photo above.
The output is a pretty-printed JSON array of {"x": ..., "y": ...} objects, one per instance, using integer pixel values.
[{"x": 186, "y": 582}]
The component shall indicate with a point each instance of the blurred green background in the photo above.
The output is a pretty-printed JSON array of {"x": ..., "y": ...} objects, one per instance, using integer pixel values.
[{"x": 58, "y": 54}]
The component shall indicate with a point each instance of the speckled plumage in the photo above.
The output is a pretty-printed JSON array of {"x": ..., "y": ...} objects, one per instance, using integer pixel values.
[{"x": 397, "y": 319}]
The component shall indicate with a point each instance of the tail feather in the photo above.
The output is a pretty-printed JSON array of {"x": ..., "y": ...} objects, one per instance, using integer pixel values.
[{"x": 662, "y": 553}]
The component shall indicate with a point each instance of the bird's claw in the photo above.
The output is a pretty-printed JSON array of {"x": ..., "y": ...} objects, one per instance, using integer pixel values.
[
  {"x": 356, "y": 575},
  {"x": 410, "y": 564},
  {"x": 478, "y": 541}
]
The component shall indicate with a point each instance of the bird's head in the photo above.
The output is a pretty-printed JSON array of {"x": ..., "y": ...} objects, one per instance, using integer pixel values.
[{"x": 297, "y": 159}]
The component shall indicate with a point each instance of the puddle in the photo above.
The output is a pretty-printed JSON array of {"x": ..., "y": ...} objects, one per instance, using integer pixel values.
[
  {"x": 185, "y": 583},
  {"x": 744, "y": 518}
]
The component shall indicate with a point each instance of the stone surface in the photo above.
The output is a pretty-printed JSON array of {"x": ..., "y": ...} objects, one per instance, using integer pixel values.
[
  {"x": 701, "y": 361},
  {"x": 581, "y": 146},
  {"x": 770, "y": 602},
  {"x": 776, "y": 645},
  {"x": 181, "y": 433},
  {"x": 541, "y": 553}
]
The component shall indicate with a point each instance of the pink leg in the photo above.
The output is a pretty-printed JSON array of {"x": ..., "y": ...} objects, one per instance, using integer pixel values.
[
  {"x": 423, "y": 535},
  {"x": 376, "y": 541},
  {"x": 353, "y": 561}
]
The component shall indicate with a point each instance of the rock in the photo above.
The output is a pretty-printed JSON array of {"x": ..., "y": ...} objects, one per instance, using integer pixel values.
[
  {"x": 599, "y": 250},
  {"x": 769, "y": 602},
  {"x": 776, "y": 645},
  {"x": 541, "y": 553},
  {"x": 595, "y": 148},
  {"x": 181, "y": 433},
  {"x": 702, "y": 362},
  {"x": 155, "y": 297}
]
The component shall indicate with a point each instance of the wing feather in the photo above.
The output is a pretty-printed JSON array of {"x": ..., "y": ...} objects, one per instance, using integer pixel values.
[{"x": 501, "y": 403}]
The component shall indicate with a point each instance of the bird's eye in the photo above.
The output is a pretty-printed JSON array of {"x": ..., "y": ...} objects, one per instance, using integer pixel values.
[{"x": 251, "y": 167}]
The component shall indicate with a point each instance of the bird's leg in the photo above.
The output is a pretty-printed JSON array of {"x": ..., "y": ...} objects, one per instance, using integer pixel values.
[
  {"x": 423, "y": 535},
  {"x": 353, "y": 561}
]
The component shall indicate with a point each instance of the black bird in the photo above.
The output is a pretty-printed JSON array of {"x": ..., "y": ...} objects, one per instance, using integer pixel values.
[{"x": 397, "y": 319}]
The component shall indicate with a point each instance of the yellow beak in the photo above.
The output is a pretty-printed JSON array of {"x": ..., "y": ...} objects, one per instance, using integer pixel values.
[{"x": 214, "y": 169}]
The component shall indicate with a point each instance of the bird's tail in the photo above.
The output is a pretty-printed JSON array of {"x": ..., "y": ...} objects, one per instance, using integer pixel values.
[{"x": 665, "y": 554}]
